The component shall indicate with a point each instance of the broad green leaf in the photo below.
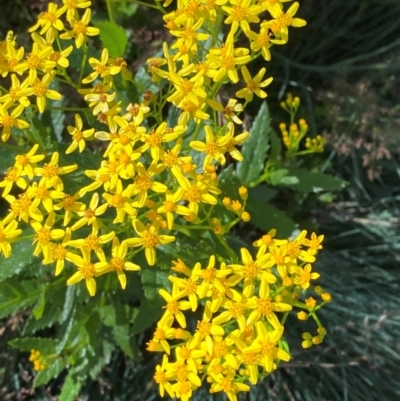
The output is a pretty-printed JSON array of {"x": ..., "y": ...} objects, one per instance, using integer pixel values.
[
  {"x": 314, "y": 182},
  {"x": 68, "y": 303},
  {"x": 113, "y": 37},
  {"x": 255, "y": 149},
  {"x": 276, "y": 147},
  {"x": 124, "y": 339},
  {"x": 265, "y": 217},
  {"x": 39, "y": 133},
  {"x": 229, "y": 183},
  {"x": 148, "y": 314},
  {"x": 282, "y": 177},
  {"x": 144, "y": 82},
  {"x": 64, "y": 332},
  {"x": 153, "y": 279},
  {"x": 7, "y": 160},
  {"x": 262, "y": 192},
  {"x": 71, "y": 387},
  {"x": 46, "y": 346},
  {"x": 114, "y": 314},
  {"x": 52, "y": 371},
  {"x": 19, "y": 260}
]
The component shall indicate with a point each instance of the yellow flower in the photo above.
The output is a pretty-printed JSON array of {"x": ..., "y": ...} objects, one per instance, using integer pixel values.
[
  {"x": 149, "y": 239},
  {"x": 8, "y": 232},
  {"x": 170, "y": 207},
  {"x": 160, "y": 377},
  {"x": 11, "y": 177},
  {"x": 253, "y": 85},
  {"x": 118, "y": 262},
  {"x": 41, "y": 91},
  {"x": 143, "y": 183},
  {"x": 279, "y": 25},
  {"x": 13, "y": 58},
  {"x": 17, "y": 93},
  {"x": 59, "y": 253},
  {"x": 240, "y": 14},
  {"x": 304, "y": 276},
  {"x": 228, "y": 385},
  {"x": 266, "y": 344},
  {"x": 71, "y": 7},
  {"x": 51, "y": 171},
  {"x": 78, "y": 136},
  {"x": 174, "y": 306},
  {"x": 93, "y": 242},
  {"x": 89, "y": 216},
  {"x": 100, "y": 100},
  {"x": 314, "y": 243},
  {"x": 28, "y": 161},
  {"x": 264, "y": 307},
  {"x": 86, "y": 270},
  {"x": 121, "y": 202},
  {"x": 101, "y": 68},
  {"x": 224, "y": 61},
  {"x": 44, "y": 234},
  {"x": 44, "y": 194},
  {"x": 229, "y": 110},
  {"x": 23, "y": 208},
  {"x": 251, "y": 270},
  {"x": 38, "y": 59},
  {"x": 235, "y": 141},
  {"x": 70, "y": 205},
  {"x": 214, "y": 148},
  {"x": 49, "y": 20},
  {"x": 7, "y": 121},
  {"x": 80, "y": 29}
]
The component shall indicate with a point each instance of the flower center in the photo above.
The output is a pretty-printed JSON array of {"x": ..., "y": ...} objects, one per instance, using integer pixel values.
[
  {"x": 150, "y": 240},
  {"x": 204, "y": 328},
  {"x": 59, "y": 252},
  {"x": 143, "y": 182},
  {"x": 193, "y": 194},
  {"x": 264, "y": 306},
  {"x": 87, "y": 270},
  {"x": 39, "y": 89},
  {"x": 117, "y": 264},
  {"x": 250, "y": 270},
  {"x": 92, "y": 242},
  {"x": 251, "y": 85},
  {"x": 169, "y": 206},
  {"x": 43, "y": 236},
  {"x": 79, "y": 28}
]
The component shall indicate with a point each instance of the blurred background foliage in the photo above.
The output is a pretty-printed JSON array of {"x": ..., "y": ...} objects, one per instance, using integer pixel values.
[{"x": 345, "y": 66}]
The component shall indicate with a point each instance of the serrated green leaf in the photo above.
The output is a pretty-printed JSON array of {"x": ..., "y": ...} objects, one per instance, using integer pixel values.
[
  {"x": 262, "y": 192},
  {"x": 71, "y": 387},
  {"x": 255, "y": 149},
  {"x": 16, "y": 295},
  {"x": 46, "y": 346},
  {"x": 68, "y": 303},
  {"x": 124, "y": 339},
  {"x": 52, "y": 371},
  {"x": 114, "y": 315},
  {"x": 229, "y": 183},
  {"x": 265, "y": 217},
  {"x": 314, "y": 182},
  {"x": 113, "y": 37},
  {"x": 19, "y": 260},
  {"x": 39, "y": 308}
]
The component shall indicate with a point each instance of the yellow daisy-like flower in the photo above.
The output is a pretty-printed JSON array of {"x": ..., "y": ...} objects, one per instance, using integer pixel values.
[
  {"x": 71, "y": 7},
  {"x": 253, "y": 85},
  {"x": 174, "y": 306},
  {"x": 78, "y": 136},
  {"x": 80, "y": 29},
  {"x": 118, "y": 263},
  {"x": 18, "y": 93},
  {"x": 44, "y": 234},
  {"x": 10, "y": 120},
  {"x": 170, "y": 207},
  {"x": 86, "y": 270},
  {"x": 23, "y": 208},
  {"x": 149, "y": 239},
  {"x": 101, "y": 68},
  {"x": 49, "y": 20},
  {"x": 8, "y": 232},
  {"x": 11, "y": 177},
  {"x": 214, "y": 147},
  {"x": 304, "y": 276},
  {"x": 90, "y": 214},
  {"x": 241, "y": 14},
  {"x": 51, "y": 172},
  {"x": 28, "y": 161},
  {"x": 41, "y": 91}
]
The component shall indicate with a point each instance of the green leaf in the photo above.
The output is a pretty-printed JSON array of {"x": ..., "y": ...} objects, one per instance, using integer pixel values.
[
  {"x": 265, "y": 217},
  {"x": 6, "y": 161},
  {"x": 255, "y": 149},
  {"x": 16, "y": 294},
  {"x": 70, "y": 388},
  {"x": 262, "y": 192},
  {"x": 153, "y": 279},
  {"x": 39, "y": 308},
  {"x": 276, "y": 147},
  {"x": 113, "y": 37},
  {"x": 54, "y": 118},
  {"x": 281, "y": 177},
  {"x": 124, "y": 339},
  {"x": 114, "y": 315},
  {"x": 144, "y": 82},
  {"x": 39, "y": 133},
  {"x": 148, "y": 314},
  {"x": 52, "y": 371},
  {"x": 229, "y": 183},
  {"x": 314, "y": 182},
  {"x": 20, "y": 259},
  {"x": 46, "y": 346}
]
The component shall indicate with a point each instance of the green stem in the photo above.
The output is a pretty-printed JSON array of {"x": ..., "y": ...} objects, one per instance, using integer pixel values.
[
  {"x": 84, "y": 60},
  {"x": 68, "y": 108},
  {"x": 110, "y": 11},
  {"x": 12, "y": 147},
  {"x": 179, "y": 227}
]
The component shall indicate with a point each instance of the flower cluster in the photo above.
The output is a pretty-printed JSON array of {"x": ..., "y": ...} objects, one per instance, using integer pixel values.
[
  {"x": 158, "y": 179},
  {"x": 239, "y": 337}
]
